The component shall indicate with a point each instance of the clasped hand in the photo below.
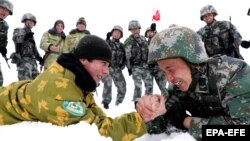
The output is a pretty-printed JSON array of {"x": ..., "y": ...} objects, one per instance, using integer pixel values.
[{"x": 151, "y": 106}]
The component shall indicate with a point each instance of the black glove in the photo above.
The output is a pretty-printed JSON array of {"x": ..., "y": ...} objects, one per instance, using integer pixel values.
[
  {"x": 129, "y": 72},
  {"x": 28, "y": 36},
  {"x": 178, "y": 114},
  {"x": 245, "y": 44},
  {"x": 3, "y": 51},
  {"x": 109, "y": 34},
  {"x": 153, "y": 27},
  {"x": 157, "y": 126}
]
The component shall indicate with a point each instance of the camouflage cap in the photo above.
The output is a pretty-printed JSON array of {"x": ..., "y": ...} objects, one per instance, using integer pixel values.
[
  {"x": 81, "y": 20},
  {"x": 177, "y": 42},
  {"x": 7, "y": 4}
]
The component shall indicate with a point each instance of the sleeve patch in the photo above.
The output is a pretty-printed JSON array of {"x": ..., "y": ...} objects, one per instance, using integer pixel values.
[{"x": 74, "y": 108}]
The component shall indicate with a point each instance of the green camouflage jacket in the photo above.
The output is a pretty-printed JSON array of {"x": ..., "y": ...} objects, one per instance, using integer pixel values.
[{"x": 55, "y": 98}]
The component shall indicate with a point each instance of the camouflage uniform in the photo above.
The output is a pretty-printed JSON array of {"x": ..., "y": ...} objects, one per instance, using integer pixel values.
[
  {"x": 136, "y": 56},
  {"x": 26, "y": 51},
  {"x": 118, "y": 63},
  {"x": 54, "y": 97},
  {"x": 156, "y": 72},
  {"x": 4, "y": 33},
  {"x": 220, "y": 86},
  {"x": 220, "y": 37},
  {"x": 51, "y": 37},
  {"x": 75, "y": 35}
]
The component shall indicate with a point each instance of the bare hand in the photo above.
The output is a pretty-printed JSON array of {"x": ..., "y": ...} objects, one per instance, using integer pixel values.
[{"x": 151, "y": 106}]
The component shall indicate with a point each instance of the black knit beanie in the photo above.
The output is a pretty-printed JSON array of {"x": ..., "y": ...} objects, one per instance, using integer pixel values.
[{"x": 93, "y": 47}]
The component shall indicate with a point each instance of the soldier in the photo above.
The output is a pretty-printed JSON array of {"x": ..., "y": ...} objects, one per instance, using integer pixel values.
[
  {"x": 6, "y": 9},
  {"x": 118, "y": 63},
  {"x": 63, "y": 94},
  {"x": 154, "y": 69},
  {"x": 76, "y": 34},
  {"x": 219, "y": 37},
  {"x": 26, "y": 53},
  {"x": 136, "y": 48},
  {"x": 212, "y": 90},
  {"x": 52, "y": 43}
]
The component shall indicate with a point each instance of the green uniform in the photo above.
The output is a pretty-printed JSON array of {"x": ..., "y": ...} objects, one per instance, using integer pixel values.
[
  {"x": 51, "y": 38},
  {"x": 73, "y": 38},
  {"x": 54, "y": 97}
]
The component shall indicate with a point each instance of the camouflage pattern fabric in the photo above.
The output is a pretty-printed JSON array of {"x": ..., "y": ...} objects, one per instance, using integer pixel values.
[
  {"x": 139, "y": 74},
  {"x": 118, "y": 63},
  {"x": 54, "y": 97},
  {"x": 26, "y": 48},
  {"x": 72, "y": 40},
  {"x": 3, "y": 43},
  {"x": 117, "y": 76},
  {"x": 137, "y": 56},
  {"x": 27, "y": 69},
  {"x": 221, "y": 37},
  {"x": 228, "y": 79},
  {"x": 48, "y": 39},
  {"x": 1, "y": 77}
]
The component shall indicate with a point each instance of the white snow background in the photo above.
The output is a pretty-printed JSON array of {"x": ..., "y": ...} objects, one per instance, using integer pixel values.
[{"x": 101, "y": 16}]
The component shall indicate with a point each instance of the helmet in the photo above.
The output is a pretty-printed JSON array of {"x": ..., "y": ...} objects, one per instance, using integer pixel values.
[
  {"x": 117, "y": 27},
  {"x": 134, "y": 24},
  {"x": 206, "y": 10},
  {"x": 81, "y": 20},
  {"x": 7, "y": 4},
  {"x": 177, "y": 42},
  {"x": 28, "y": 16}
]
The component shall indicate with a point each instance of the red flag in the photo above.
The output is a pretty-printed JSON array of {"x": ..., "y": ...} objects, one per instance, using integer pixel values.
[{"x": 156, "y": 16}]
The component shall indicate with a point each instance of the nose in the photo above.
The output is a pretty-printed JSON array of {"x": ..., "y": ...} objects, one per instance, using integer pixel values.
[{"x": 106, "y": 70}]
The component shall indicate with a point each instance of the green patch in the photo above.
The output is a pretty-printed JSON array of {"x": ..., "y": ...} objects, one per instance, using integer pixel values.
[{"x": 74, "y": 108}]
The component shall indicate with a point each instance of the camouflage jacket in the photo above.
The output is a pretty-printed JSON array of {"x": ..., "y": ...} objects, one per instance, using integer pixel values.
[
  {"x": 118, "y": 53},
  {"x": 51, "y": 38},
  {"x": 73, "y": 38},
  {"x": 136, "y": 51},
  {"x": 3, "y": 35},
  {"x": 221, "y": 95},
  {"x": 54, "y": 97},
  {"x": 221, "y": 37},
  {"x": 24, "y": 45}
]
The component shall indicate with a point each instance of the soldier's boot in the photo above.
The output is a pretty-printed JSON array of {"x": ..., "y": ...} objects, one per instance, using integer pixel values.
[{"x": 105, "y": 105}]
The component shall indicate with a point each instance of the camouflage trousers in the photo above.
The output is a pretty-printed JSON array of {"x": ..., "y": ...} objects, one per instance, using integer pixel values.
[
  {"x": 27, "y": 69},
  {"x": 1, "y": 76},
  {"x": 160, "y": 79},
  {"x": 140, "y": 74},
  {"x": 117, "y": 76}
]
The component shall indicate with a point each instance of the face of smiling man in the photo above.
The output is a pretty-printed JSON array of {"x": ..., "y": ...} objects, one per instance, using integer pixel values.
[{"x": 177, "y": 72}]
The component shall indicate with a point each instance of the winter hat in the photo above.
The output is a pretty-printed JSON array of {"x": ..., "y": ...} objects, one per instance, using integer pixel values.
[
  {"x": 93, "y": 47},
  {"x": 59, "y": 22},
  {"x": 81, "y": 20}
]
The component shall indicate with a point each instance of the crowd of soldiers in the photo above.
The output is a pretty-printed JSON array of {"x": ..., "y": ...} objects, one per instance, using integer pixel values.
[{"x": 219, "y": 37}]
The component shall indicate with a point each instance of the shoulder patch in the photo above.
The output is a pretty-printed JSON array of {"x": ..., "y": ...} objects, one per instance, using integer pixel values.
[{"x": 74, "y": 108}]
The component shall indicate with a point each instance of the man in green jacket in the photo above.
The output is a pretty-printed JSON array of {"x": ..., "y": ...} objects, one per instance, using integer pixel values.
[{"x": 63, "y": 94}]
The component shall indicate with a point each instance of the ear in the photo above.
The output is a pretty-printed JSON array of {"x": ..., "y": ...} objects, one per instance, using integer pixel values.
[{"x": 83, "y": 61}]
